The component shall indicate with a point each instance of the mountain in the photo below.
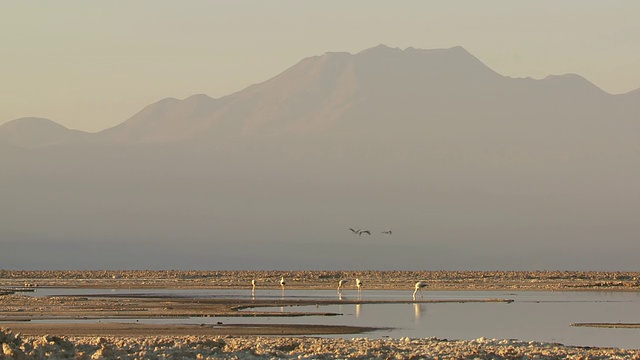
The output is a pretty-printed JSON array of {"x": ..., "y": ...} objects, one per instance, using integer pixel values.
[
  {"x": 471, "y": 170},
  {"x": 377, "y": 90},
  {"x": 31, "y": 132},
  {"x": 319, "y": 94}
]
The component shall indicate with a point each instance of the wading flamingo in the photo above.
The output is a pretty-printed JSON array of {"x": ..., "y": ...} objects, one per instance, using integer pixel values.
[{"x": 418, "y": 287}]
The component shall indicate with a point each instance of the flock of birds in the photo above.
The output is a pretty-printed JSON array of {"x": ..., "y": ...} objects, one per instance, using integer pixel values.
[
  {"x": 367, "y": 232},
  {"x": 417, "y": 287}
]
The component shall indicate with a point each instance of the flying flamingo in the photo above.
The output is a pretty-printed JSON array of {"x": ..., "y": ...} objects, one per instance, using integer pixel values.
[
  {"x": 388, "y": 232},
  {"x": 418, "y": 287},
  {"x": 360, "y": 231}
]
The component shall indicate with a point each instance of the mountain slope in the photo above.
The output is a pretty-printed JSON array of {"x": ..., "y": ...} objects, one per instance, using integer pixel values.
[
  {"x": 34, "y": 132},
  {"x": 380, "y": 91}
]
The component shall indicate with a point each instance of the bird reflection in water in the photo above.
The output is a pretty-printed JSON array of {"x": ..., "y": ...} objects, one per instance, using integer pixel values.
[
  {"x": 253, "y": 289},
  {"x": 418, "y": 311},
  {"x": 358, "y": 309}
]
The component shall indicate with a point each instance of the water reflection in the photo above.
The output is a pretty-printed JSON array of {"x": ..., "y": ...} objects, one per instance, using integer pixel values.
[
  {"x": 253, "y": 289},
  {"x": 418, "y": 309},
  {"x": 533, "y": 316}
]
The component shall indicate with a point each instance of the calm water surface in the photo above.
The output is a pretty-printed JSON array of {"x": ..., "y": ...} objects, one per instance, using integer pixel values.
[{"x": 533, "y": 316}]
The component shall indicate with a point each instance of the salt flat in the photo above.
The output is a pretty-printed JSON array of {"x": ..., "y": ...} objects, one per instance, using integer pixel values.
[{"x": 124, "y": 341}]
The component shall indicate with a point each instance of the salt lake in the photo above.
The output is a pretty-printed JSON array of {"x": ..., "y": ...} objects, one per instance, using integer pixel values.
[{"x": 532, "y": 316}]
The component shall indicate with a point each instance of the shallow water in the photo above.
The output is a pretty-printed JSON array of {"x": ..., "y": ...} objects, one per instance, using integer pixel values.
[{"x": 532, "y": 316}]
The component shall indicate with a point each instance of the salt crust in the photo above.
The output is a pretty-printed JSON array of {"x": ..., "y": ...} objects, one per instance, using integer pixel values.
[{"x": 15, "y": 346}]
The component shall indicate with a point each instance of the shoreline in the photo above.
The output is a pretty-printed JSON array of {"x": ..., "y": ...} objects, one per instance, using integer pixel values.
[
  {"x": 256, "y": 341},
  {"x": 324, "y": 279},
  {"x": 74, "y": 330}
]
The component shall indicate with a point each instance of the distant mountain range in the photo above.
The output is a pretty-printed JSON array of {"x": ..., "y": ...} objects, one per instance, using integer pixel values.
[
  {"x": 381, "y": 87},
  {"x": 470, "y": 168}
]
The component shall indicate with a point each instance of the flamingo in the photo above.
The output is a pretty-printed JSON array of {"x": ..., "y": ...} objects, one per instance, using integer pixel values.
[
  {"x": 418, "y": 287},
  {"x": 364, "y": 232},
  {"x": 342, "y": 282},
  {"x": 359, "y": 285},
  {"x": 253, "y": 285},
  {"x": 388, "y": 232},
  {"x": 282, "y": 282},
  {"x": 355, "y": 231}
]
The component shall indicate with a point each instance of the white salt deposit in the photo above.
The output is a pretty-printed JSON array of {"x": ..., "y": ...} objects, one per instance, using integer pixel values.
[{"x": 197, "y": 347}]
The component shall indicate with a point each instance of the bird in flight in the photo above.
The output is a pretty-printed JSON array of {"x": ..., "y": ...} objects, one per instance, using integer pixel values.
[
  {"x": 360, "y": 231},
  {"x": 388, "y": 232}
]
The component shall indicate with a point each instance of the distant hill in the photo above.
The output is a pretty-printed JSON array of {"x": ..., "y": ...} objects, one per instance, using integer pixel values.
[
  {"x": 31, "y": 132},
  {"x": 471, "y": 170}
]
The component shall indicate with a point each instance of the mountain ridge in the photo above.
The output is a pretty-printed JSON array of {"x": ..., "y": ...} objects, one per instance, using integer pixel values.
[
  {"x": 36, "y": 132},
  {"x": 325, "y": 93}
]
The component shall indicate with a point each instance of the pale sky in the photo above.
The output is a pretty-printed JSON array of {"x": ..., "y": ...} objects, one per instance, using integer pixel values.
[{"x": 90, "y": 65}]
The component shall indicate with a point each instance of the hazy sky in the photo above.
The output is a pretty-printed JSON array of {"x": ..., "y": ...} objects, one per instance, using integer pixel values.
[{"x": 90, "y": 65}]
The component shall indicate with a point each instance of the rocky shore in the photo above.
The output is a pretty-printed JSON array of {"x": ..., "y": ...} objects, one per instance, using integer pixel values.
[{"x": 226, "y": 347}]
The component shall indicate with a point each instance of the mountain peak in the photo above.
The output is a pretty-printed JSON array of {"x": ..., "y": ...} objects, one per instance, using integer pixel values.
[
  {"x": 572, "y": 82},
  {"x": 199, "y": 97},
  {"x": 35, "y": 132},
  {"x": 32, "y": 123},
  {"x": 455, "y": 58},
  {"x": 382, "y": 48}
]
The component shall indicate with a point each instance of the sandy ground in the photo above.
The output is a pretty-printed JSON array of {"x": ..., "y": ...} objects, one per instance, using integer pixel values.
[{"x": 17, "y": 309}]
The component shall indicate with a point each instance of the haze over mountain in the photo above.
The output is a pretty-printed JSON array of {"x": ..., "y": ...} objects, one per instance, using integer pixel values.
[{"x": 471, "y": 169}]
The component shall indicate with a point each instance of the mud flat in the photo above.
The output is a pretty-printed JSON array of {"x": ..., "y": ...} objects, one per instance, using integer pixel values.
[
  {"x": 146, "y": 330},
  {"x": 609, "y": 325},
  {"x": 16, "y": 311},
  {"x": 229, "y": 347}
]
